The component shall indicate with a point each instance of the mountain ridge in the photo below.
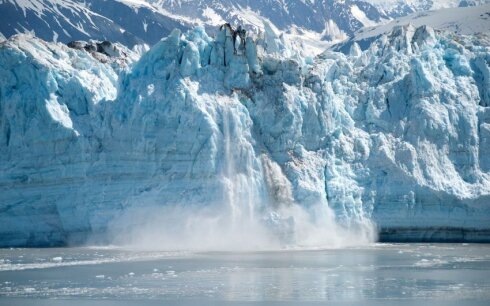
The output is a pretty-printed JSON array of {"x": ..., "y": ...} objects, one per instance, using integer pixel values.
[{"x": 132, "y": 22}]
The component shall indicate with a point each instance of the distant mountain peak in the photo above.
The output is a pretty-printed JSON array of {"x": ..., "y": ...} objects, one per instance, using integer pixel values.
[{"x": 133, "y": 22}]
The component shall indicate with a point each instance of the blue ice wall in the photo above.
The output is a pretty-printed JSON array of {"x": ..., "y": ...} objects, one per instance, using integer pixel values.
[{"x": 398, "y": 134}]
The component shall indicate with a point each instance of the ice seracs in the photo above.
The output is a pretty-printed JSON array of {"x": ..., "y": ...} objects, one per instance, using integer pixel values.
[
  {"x": 246, "y": 137},
  {"x": 471, "y": 20}
]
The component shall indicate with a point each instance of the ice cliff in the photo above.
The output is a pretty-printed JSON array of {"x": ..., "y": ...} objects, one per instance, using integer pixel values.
[{"x": 397, "y": 135}]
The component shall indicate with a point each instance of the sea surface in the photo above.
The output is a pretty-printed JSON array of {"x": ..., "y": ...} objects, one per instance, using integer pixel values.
[{"x": 380, "y": 274}]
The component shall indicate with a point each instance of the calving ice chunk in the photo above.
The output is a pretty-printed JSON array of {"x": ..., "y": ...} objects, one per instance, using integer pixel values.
[{"x": 244, "y": 139}]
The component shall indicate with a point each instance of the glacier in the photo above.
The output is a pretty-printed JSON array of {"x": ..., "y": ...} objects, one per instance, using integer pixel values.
[
  {"x": 246, "y": 139},
  {"x": 471, "y": 20}
]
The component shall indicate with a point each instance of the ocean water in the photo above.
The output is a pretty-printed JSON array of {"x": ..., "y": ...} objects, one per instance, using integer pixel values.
[{"x": 380, "y": 274}]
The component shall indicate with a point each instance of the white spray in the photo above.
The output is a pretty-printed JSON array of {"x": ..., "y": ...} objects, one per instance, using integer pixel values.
[{"x": 257, "y": 210}]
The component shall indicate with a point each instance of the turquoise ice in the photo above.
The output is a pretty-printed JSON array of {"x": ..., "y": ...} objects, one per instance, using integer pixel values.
[{"x": 397, "y": 135}]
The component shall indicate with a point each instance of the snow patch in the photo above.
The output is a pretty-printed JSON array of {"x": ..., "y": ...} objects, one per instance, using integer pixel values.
[{"x": 361, "y": 16}]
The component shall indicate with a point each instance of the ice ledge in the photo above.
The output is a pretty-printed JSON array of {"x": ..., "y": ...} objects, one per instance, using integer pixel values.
[{"x": 434, "y": 234}]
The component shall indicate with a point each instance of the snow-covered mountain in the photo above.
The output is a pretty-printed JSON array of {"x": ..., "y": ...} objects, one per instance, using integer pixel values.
[
  {"x": 422, "y": 5},
  {"x": 69, "y": 20},
  {"x": 245, "y": 139},
  {"x": 136, "y": 21},
  {"x": 473, "y": 20}
]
